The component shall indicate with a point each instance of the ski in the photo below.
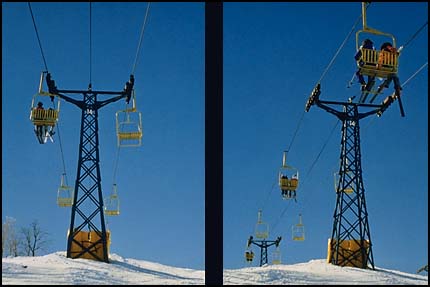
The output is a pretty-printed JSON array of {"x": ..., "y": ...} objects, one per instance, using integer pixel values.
[
  {"x": 380, "y": 88},
  {"x": 402, "y": 112},
  {"x": 366, "y": 91},
  {"x": 351, "y": 82},
  {"x": 38, "y": 135}
]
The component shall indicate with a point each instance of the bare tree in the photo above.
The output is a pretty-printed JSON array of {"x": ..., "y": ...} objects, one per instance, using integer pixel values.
[
  {"x": 34, "y": 238},
  {"x": 9, "y": 238}
]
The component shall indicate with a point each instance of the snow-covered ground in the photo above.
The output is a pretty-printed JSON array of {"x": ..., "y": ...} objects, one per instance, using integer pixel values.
[
  {"x": 318, "y": 272},
  {"x": 56, "y": 269}
]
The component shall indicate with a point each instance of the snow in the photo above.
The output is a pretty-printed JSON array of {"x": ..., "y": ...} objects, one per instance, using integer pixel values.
[{"x": 57, "y": 269}]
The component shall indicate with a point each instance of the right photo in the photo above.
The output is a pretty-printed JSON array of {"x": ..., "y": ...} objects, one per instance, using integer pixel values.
[{"x": 325, "y": 143}]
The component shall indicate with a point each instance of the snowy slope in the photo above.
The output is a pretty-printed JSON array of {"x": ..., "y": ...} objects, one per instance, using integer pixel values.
[
  {"x": 56, "y": 269},
  {"x": 318, "y": 272}
]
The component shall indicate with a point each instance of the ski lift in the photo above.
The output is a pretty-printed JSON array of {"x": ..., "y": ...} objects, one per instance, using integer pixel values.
[
  {"x": 276, "y": 256},
  {"x": 44, "y": 119},
  {"x": 112, "y": 203},
  {"x": 298, "y": 230},
  {"x": 249, "y": 255},
  {"x": 287, "y": 184},
  {"x": 261, "y": 228},
  {"x": 64, "y": 193},
  {"x": 129, "y": 126},
  {"x": 375, "y": 63}
]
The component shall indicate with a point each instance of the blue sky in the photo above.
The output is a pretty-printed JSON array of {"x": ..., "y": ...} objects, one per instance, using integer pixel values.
[
  {"x": 274, "y": 53},
  {"x": 161, "y": 183}
]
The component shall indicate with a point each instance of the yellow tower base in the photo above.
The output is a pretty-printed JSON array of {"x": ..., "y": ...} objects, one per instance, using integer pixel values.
[
  {"x": 349, "y": 254},
  {"x": 87, "y": 239}
]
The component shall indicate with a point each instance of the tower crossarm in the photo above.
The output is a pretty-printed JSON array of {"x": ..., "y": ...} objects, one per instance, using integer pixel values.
[
  {"x": 126, "y": 93},
  {"x": 345, "y": 116}
]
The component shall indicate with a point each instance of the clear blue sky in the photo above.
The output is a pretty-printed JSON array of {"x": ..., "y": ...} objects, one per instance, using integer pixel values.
[
  {"x": 274, "y": 53},
  {"x": 161, "y": 183}
]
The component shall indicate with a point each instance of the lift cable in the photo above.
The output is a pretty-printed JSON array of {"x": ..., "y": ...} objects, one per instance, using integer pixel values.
[
  {"x": 62, "y": 154},
  {"x": 116, "y": 164},
  {"x": 140, "y": 40},
  {"x": 268, "y": 196},
  {"x": 341, "y": 46},
  {"x": 413, "y": 76},
  {"x": 295, "y": 132},
  {"x": 414, "y": 35},
  {"x": 38, "y": 38}
]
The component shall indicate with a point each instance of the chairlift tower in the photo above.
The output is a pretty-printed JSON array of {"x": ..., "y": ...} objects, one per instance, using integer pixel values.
[
  {"x": 263, "y": 244},
  {"x": 350, "y": 243},
  {"x": 87, "y": 207}
]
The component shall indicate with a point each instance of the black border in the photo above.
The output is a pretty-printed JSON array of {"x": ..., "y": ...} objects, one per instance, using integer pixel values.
[{"x": 213, "y": 143}]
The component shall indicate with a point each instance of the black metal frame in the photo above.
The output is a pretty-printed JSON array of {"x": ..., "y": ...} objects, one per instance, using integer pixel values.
[
  {"x": 350, "y": 215},
  {"x": 263, "y": 244},
  {"x": 88, "y": 178}
]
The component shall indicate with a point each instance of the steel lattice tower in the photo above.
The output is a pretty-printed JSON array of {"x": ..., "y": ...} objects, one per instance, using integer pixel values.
[
  {"x": 263, "y": 244},
  {"x": 87, "y": 207},
  {"x": 350, "y": 243}
]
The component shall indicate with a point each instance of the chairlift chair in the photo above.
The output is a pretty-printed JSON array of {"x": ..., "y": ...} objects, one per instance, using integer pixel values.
[
  {"x": 348, "y": 189},
  {"x": 298, "y": 230},
  {"x": 129, "y": 126},
  {"x": 368, "y": 63},
  {"x": 261, "y": 228},
  {"x": 44, "y": 120},
  {"x": 64, "y": 193},
  {"x": 276, "y": 256},
  {"x": 288, "y": 179},
  {"x": 249, "y": 255},
  {"x": 112, "y": 203}
]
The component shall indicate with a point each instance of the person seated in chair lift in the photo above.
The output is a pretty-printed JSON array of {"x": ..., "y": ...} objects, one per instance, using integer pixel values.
[
  {"x": 39, "y": 116},
  {"x": 367, "y": 44},
  {"x": 388, "y": 47}
]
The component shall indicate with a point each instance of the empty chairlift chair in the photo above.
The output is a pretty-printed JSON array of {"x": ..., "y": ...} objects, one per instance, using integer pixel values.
[
  {"x": 129, "y": 126},
  {"x": 64, "y": 193},
  {"x": 298, "y": 230},
  {"x": 347, "y": 186},
  {"x": 276, "y": 256},
  {"x": 112, "y": 203},
  {"x": 261, "y": 228}
]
